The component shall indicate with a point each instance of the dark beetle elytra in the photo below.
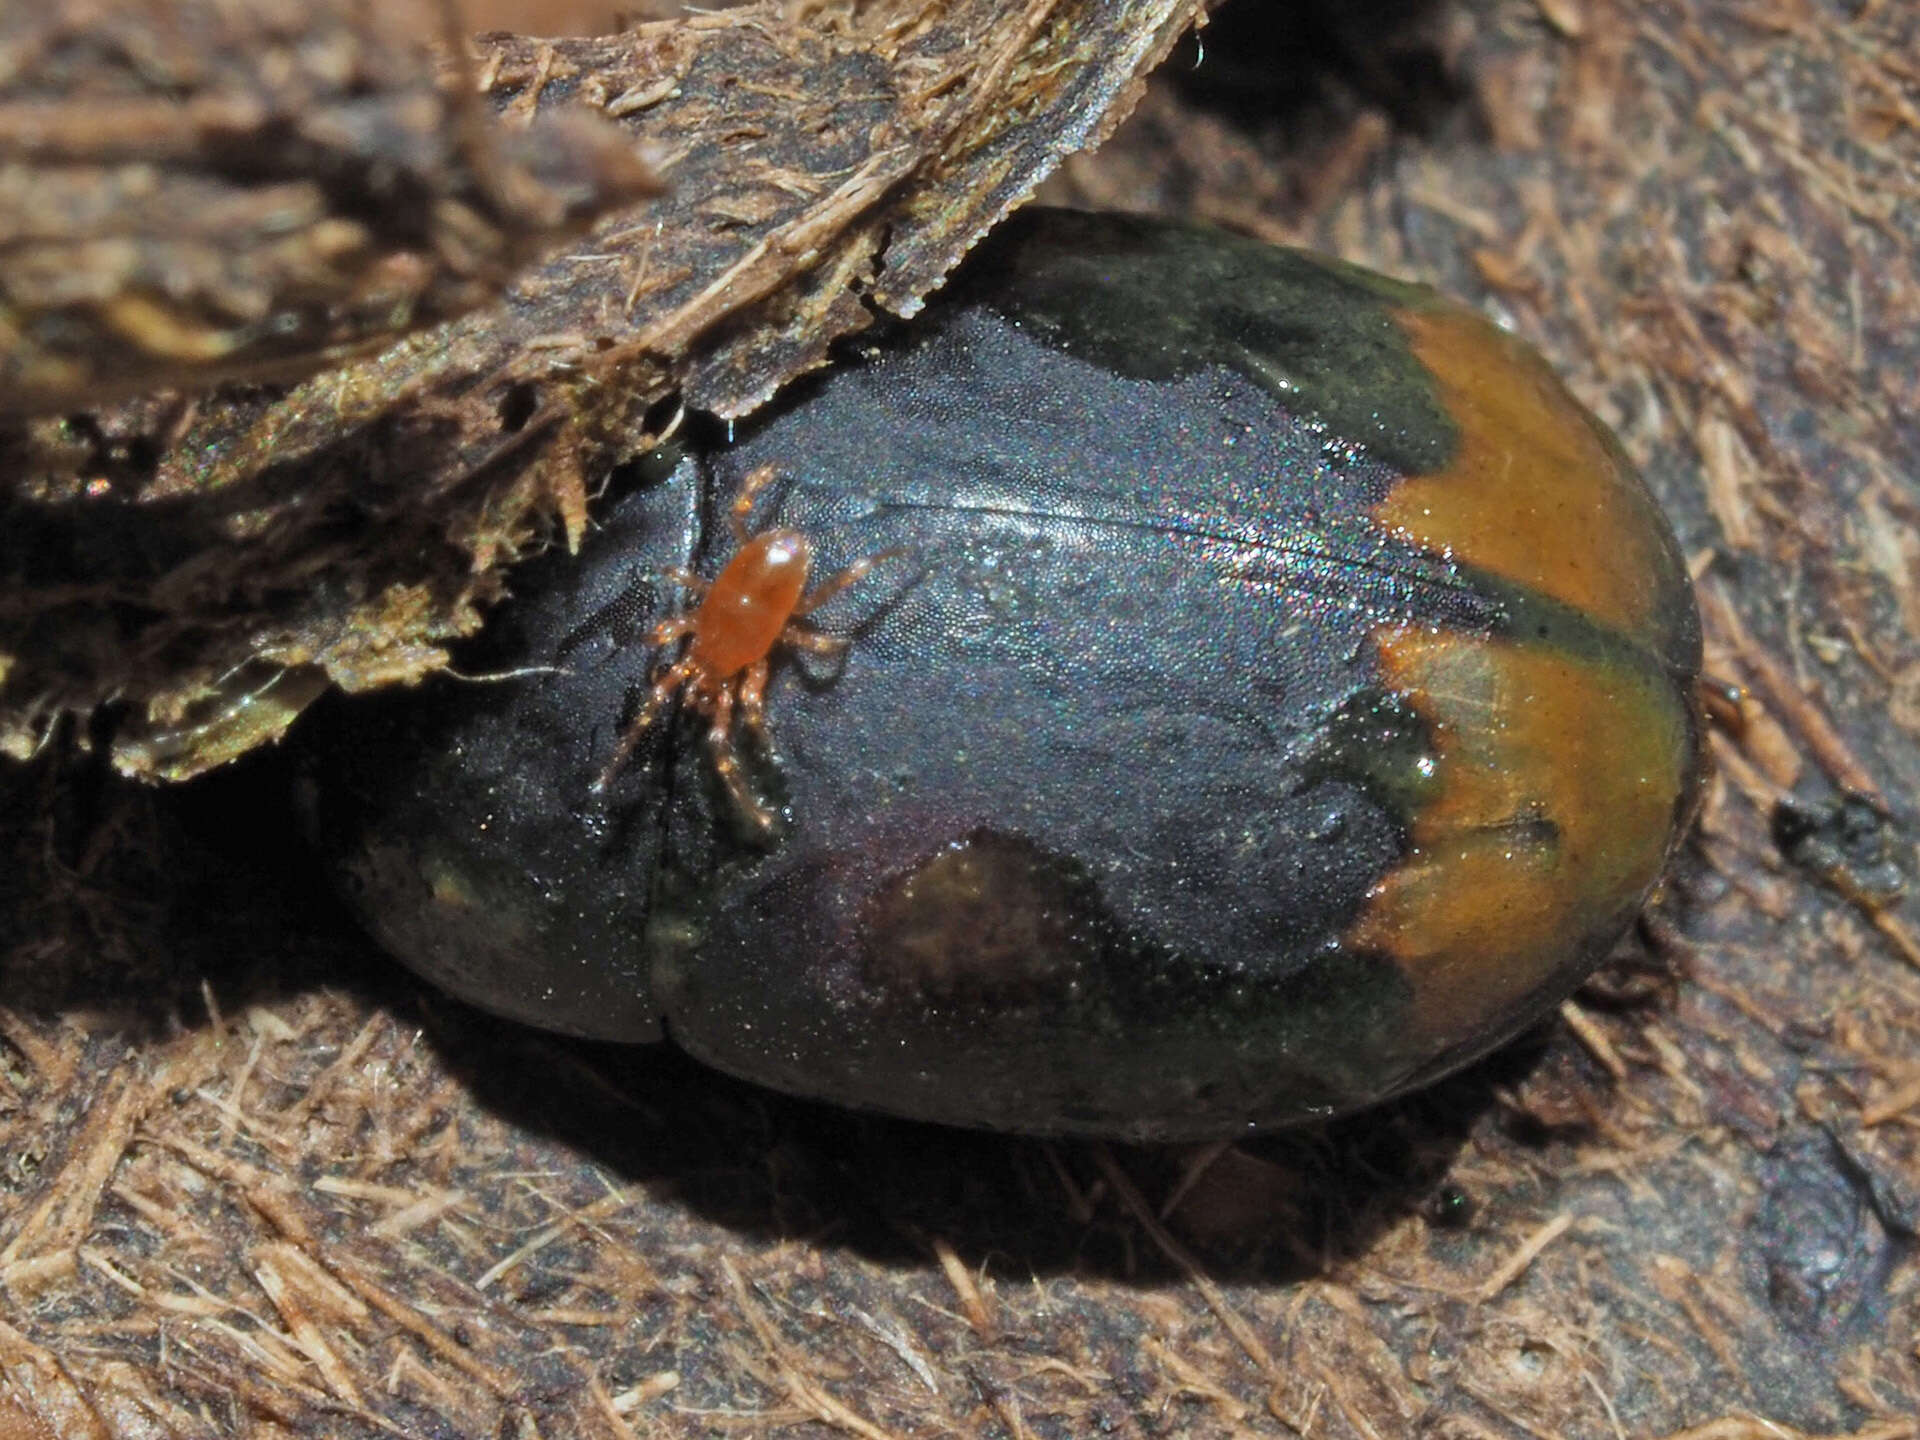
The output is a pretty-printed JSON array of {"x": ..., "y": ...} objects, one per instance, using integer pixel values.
[{"x": 1290, "y": 697}]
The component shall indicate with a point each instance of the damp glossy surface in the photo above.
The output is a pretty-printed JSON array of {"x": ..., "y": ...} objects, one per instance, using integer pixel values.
[{"x": 1290, "y": 697}]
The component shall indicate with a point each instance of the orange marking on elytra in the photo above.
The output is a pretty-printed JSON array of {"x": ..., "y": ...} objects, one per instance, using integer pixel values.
[{"x": 742, "y": 616}]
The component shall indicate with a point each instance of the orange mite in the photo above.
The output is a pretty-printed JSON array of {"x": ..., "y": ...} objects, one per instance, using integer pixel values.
[{"x": 751, "y": 607}]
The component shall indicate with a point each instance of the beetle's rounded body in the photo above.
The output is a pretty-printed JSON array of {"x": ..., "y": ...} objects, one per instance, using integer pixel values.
[{"x": 1293, "y": 698}]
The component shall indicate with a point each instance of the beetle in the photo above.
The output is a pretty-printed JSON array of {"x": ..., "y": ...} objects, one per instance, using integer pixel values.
[{"x": 1296, "y": 699}]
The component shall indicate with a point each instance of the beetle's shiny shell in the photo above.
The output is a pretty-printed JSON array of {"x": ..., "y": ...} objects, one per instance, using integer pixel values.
[{"x": 1290, "y": 699}]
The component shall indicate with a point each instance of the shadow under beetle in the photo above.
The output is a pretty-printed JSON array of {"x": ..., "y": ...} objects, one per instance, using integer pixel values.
[{"x": 1295, "y": 699}]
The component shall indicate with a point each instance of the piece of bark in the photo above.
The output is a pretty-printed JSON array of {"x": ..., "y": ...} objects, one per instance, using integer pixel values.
[{"x": 193, "y": 191}]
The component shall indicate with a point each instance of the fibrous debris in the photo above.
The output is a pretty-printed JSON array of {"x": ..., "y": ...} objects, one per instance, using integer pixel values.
[{"x": 193, "y": 191}]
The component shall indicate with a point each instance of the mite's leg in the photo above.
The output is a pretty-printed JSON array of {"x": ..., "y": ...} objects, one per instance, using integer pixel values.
[
  {"x": 694, "y": 585},
  {"x": 753, "y": 700},
  {"x": 726, "y": 762},
  {"x": 657, "y": 698},
  {"x": 669, "y": 630},
  {"x": 750, "y": 488},
  {"x": 812, "y": 641},
  {"x": 852, "y": 575}
]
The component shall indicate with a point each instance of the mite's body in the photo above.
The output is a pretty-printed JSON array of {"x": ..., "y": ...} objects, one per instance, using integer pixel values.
[{"x": 752, "y": 607}]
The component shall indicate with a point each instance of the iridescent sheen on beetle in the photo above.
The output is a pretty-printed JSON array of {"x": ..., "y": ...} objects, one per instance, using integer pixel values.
[{"x": 1293, "y": 698}]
